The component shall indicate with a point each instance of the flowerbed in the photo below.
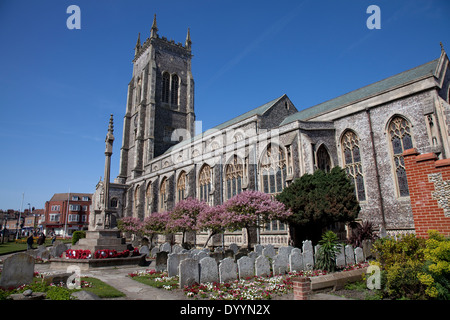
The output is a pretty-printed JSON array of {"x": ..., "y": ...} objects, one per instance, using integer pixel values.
[
  {"x": 99, "y": 254},
  {"x": 155, "y": 279}
]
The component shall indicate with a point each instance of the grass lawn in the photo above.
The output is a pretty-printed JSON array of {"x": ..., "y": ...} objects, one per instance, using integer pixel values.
[
  {"x": 10, "y": 247},
  {"x": 102, "y": 289}
]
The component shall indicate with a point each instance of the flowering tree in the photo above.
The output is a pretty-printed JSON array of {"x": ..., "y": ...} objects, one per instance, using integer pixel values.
[
  {"x": 211, "y": 220},
  {"x": 155, "y": 223},
  {"x": 132, "y": 225},
  {"x": 183, "y": 217},
  {"x": 252, "y": 209}
]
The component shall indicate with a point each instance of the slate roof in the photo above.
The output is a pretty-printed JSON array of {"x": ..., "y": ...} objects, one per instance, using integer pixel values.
[
  {"x": 257, "y": 111},
  {"x": 63, "y": 196},
  {"x": 401, "y": 79}
]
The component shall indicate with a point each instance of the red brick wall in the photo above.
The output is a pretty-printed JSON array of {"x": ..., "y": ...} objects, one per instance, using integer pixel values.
[{"x": 430, "y": 206}]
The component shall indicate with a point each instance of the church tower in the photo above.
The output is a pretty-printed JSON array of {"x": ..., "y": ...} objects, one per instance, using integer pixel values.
[{"x": 160, "y": 102}]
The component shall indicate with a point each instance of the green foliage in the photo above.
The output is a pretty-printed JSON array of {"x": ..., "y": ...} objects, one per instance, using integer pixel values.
[
  {"x": 415, "y": 268},
  {"x": 328, "y": 251},
  {"x": 59, "y": 293},
  {"x": 318, "y": 200},
  {"x": 77, "y": 235}
]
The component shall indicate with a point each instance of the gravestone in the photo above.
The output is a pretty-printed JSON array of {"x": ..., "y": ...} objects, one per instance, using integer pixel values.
[
  {"x": 295, "y": 260},
  {"x": 262, "y": 266},
  {"x": 246, "y": 268},
  {"x": 316, "y": 252},
  {"x": 176, "y": 249},
  {"x": 307, "y": 246},
  {"x": 359, "y": 255},
  {"x": 227, "y": 270},
  {"x": 18, "y": 269},
  {"x": 217, "y": 256},
  {"x": 166, "y": 247},
  {"x": 144, "y": 250},
  {"x": 367, "y": 246},
  {"x": 201, "y": 255},
  {"x": 280, "y": 264},
  {"x": 258, "y": 249},
  {"x": 349, "y": 255},
  {"x": 208, "y": 270},
  {"x": 173, "y": 262},
  {"x": 308, "y": 260},
  {"x": 234, "y": 247},
  {"x": 154, "y": 251},
  {"x": 269, "y": 251},
  {"x": 58, "y": 249},
  {"x": 340, "y": 258},
  {"x": 189, "y": 272},
  {"x": 285, "y": 250},
  {"x": 161, "y": 261}
]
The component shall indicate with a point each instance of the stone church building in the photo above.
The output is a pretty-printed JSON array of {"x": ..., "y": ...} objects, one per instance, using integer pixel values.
[{"x": 365, "y": 132}]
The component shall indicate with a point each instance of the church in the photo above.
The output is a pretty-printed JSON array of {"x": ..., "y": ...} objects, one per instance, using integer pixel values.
[{"x": 366, "y": 132}]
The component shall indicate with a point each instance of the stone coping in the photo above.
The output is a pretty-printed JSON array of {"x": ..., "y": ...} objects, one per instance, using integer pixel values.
[{"x": 337, "y": 280}]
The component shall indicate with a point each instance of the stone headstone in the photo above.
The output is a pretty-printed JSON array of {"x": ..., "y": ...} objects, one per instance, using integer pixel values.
[
  {"x": 209, "y": 271},
  {"x": 166, "y": 247},
  {"x": 144, "y": 250},
  {"x": 18, "y": 269},
  {"x": 154, "y": 251},
  {"x": 234, "y": 247},
  {"x": 307, "y": 246},
  {"x": 285, "y": 250},
  {"x": 229, "y": 253},
  {"x": 280, "y": 264},
  {"x": 161, "y": 261},
  {"x": 177, "y": 249},
  {"x": 227, "y": 270},
  {"x": 367, "y": 246},
  {"x": 340, "y": 258},
  {"x": 173, "y": 262},
  {"x": 359, "y": 255},
  {"x": 349, "y": 255},
  {"x": 262, "y": 266},
  {"x": 246, "y": 267},
  {"x": 201, "y": 255},
  {"x": 269, "y": 251},
  {"x": 217, "y": 256},
  {"x": 58, "y": 249},
  {"x": 258, "y": 249},
  {"x": 308, "y": 260},
  {"x": 189, "y": 272},
  {"x": 295, "y": 260}
]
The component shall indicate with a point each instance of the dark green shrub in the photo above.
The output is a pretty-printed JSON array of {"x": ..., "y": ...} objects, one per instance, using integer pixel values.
[{"x": 77, "y": 235}]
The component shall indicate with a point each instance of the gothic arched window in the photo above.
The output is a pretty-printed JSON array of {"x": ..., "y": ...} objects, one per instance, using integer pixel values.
[
  {"x": 204, "y": 183},
  {"x": 323, "y": 159},
  {"x": 352, "y": 163},
  {"x": 165, "y": 87},
  {"x": 234, "y": 174},
  {"x": 181, "y": 186},
  {"x": 400, "y": 137},
  {"x": 148, "y": 198},
  {"x": 163, "y": 195},
  {"x": 174, "y": 90},
  {"x": 273, "y": 170}
]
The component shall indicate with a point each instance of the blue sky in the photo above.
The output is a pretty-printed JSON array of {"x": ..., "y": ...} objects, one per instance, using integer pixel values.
[{"x": 59, "y": 86}]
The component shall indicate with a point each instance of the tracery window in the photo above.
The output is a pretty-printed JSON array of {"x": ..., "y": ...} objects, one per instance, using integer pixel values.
[
  {"x": 273, "y": 170},
  {"x": 352, "y": 163},
  {"x": 163, "y": 195},
  {"x": 181, "y": 186},
  {"x": 204, "y": 183},
  {"x": 165, "y": 87},
  {"x": 174, "y": 90},
  {"x": 323, "y": 159},
  {"x": 148, "y": 198},
  {"x": 401, "y": 140},
  {"x": 234, "y": 174}
]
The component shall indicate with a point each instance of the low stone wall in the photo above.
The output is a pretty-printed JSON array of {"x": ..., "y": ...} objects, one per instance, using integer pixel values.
[
  {"x": 86, "y": 264},
  {"x": 304, "y": 286}
]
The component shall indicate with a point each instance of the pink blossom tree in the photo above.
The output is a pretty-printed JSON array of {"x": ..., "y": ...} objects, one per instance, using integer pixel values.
[
  {"x": 211, "y": 220},
  {"x": 183, "y": 217},
  {"x": 252, "y": 209},
  {"x": 132, "y": 225},
  {"x": 156, "y": 223}
]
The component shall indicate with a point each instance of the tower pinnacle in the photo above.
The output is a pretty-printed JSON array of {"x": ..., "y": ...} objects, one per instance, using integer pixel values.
[
  {"x": 154, "y": 28},
  {"x": 188, "y": 42}
]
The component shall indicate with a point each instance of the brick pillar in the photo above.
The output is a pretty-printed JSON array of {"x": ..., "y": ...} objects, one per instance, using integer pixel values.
[{"x": 302, "y": 288}]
